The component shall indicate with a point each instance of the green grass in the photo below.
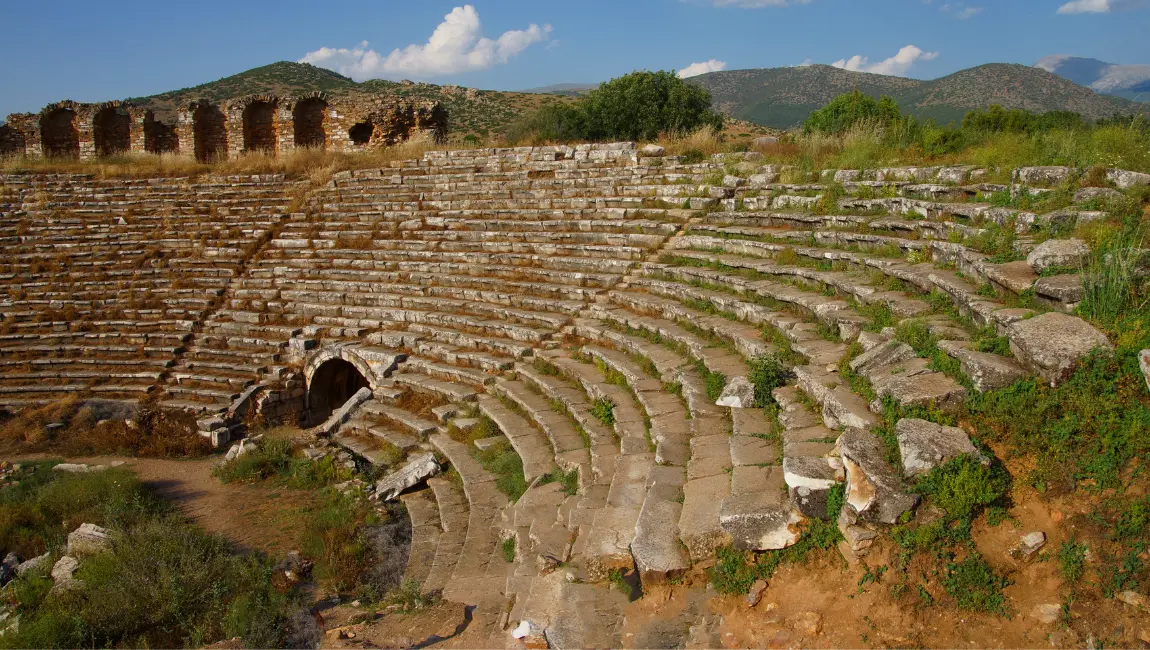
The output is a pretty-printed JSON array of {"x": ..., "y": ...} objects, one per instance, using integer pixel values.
[
  {"x": 275, "y": 459},
  {"x": 1071, "y": 562},
  {"x": 975, "y": 586},
  {"x": 604, "y": 410},
  {"x": 569, "y": 480},
  {"x": 507, "y": 548},
  {"x": 501, "y": 460},
  {"x": 163, "y": 583}
]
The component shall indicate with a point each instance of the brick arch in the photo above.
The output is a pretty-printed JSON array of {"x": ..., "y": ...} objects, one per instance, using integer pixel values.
[
  {"x": 59, "y": 131},
  {"x": 112, "y": 130},
  {"x": 209, "y": 132},
  {"x": 309, "y": 118}
]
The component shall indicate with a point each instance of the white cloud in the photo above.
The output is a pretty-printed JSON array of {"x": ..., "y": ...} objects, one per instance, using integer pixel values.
[
  {"x": 960, "y": 10},
  {"x": 702, "y": 67},
  {"x": 807, "y": 62},
  {"x": 898, "y": 64},
  {"x": 1100, "y": 6},
  {"x": 456, "y": 45},
  {"x": 1052, "y": 62}
]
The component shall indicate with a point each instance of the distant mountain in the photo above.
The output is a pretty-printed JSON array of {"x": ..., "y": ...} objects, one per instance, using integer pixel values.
[
  {"x": 562, "y": 89},
  {"x": 1129, "y": 81},
  {"x": 470, "y": 111},
  {"x": 784, "y": 97}
]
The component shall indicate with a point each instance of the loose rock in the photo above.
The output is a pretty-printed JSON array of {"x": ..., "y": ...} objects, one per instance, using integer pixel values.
[
  {"x": 1058, "y": 252},
  {"x": 416, "y": 471},
  {"x": 755, "y": 595},
  {"x": 738, "y": 393},
  {"x": 89, "y": 539},
  {"x": 925, "y": 445}
]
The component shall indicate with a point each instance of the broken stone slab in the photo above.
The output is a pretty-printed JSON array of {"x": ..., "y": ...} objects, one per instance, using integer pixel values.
[
  {"x": 242, "y": 447},
  {"x": 89, "y": 539},
  {"x": 874, "y": 490},
  {"x": 652, "y": 151},
  {"x": 925, "y": 445},
  {"x": 656, "y": 548},
  {"x": 809, "y": 480},
  {"x": 1125, "y": 180},
  {"x": 1030, "y": 544},
  {"x": 342, "y": 414},
  {"x": 1058, "y": 253},
  {"x": 858, "y": 539},
  {"x": 35, "y": 564},
  {"x": 884, "y": 354},
  {"x": 986, "y": 371},
  {"x": 1065, "y": 289},
  {"x": 1052, "y": 344},
  {"x": 63, "y": 573},
  {"x": 739, "y": 393},
  {"x": 760, "y": 521},
  {"x": 416, "y": 471}
]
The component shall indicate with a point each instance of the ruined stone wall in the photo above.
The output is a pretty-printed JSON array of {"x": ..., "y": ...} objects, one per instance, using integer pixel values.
[{"x": 210, "y": 131}]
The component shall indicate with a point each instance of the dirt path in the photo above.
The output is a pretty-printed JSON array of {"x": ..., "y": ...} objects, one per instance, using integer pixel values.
[{"x": 251, "y": 516}]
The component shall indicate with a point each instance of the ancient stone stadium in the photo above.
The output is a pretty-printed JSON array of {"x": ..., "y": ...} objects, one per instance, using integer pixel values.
[{"x": 613, "y": 317}]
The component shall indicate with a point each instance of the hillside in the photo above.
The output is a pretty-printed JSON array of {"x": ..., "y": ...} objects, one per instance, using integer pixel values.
[
  {"x": 479, "y": 112},
  {"x": 1129, "y": 81},
  {"x": 783, "y": 97}
]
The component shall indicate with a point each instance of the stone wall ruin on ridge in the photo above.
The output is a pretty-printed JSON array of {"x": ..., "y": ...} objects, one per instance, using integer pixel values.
[{"x": 213, "y": 131}]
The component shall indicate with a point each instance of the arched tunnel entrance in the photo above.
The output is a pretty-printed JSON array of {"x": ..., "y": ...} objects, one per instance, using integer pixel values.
[{"x": 331, "y": 386}]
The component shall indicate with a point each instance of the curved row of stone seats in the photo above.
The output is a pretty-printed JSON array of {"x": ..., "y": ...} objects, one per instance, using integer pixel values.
[{"x": 135, "y": 257}]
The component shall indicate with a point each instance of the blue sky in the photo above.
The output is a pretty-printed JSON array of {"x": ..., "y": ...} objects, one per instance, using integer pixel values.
[{"x": 92, "y": 51}]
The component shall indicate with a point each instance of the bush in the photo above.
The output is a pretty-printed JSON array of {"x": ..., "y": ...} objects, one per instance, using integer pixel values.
[
  {"x": 975, "y": 586},
  {"x": 963, "y": 487},
  {"x": 767, "y": 374},
  {"x": 850, "y": 109},
  {"x": 637, "y": 106}
]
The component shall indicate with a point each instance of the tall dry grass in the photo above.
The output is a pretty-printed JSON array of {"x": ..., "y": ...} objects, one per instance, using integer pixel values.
[{"x": 304, "y": 164}]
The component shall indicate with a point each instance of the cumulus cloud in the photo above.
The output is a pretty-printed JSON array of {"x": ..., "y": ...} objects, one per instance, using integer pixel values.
[
  {"x": 1100, "y": 6},
  {"x": 456, "y": 45},
  {"x": 702, "y": 67},
  {"x": 898, "y": 64}
]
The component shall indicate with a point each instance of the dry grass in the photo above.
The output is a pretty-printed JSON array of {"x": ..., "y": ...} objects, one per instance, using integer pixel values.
[
  {"x": 92, "y": 428},
  {"x": 704, "y": 140},
  {"x": 306, "y": 164}
]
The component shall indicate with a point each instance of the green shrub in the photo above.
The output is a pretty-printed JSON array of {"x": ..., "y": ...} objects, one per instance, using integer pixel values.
[
  {"x": 507, "y": 547},
  {"x": 1071, "y": 561},
  {"x": 964, "y": 487},
  {"x": 849, "y": 109},
  {"x": 604, "y": 410},
  {"x": 767, "y": 374},
  {"x": 975, "y": 587}
]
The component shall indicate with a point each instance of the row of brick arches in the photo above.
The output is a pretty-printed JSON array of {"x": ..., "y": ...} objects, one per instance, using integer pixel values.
[{"x": 112, "y": 131}]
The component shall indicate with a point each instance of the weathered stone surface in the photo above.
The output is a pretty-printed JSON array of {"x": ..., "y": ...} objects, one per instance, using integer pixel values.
[
  {"x": 738, "y": 393},
  {"x": 986, "y": 371},
  {"x": 1066, "y": 289},
  {"x": 89, "y": 539},
  {"x": 1052, "y": 345},
  {"x": 343, "y": 413},
  {"x": 760, "y": 522},
  {"x": 1124, "y": 180},
  {"x": 1135, "y": 599},
  {"x": 1144, "y": 363},
  {"x": 416, "y": 471},
  {"x": 658, "y": 553},
  {"x": 651, "y": 151},
  {"x": 1042, "y": 175},
  {"x": 755, "y": 593},
  {"x": 63, "y": 572},
  {"x": 874, "y": 490},
  {"x": 1047, "y": 613},
  {"x": 1030, "y": 544},
  {"x": 1096, "y": 194},
  {"x": 925, "y": 445},
  {"x": 35, "y": 564},
  {"x": 1058, "y": 253},
  {"x": 884, "y": 354}
]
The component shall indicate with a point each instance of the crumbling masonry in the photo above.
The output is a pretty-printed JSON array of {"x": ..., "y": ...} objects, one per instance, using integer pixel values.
[{"x": 212, "y": 132}]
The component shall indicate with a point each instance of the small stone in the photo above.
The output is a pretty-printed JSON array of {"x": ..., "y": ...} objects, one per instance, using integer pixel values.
[
  {"x": 652, "y": 151},
  {"x": 1047, "y": 613},
  {"x": 89, "y": 539},
  {"x": 806, "y": 623},
  {"x": 755, "y": 595},
  {"x": 1030, "y": 544},
  {"x": 1135, "y": 599},
  {"x": 63, "y": 572}
]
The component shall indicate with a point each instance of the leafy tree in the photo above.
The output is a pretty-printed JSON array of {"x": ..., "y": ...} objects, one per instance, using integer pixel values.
[
  {"x": 637, "y": 106},
  {"x": 848, "y": 109}
]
